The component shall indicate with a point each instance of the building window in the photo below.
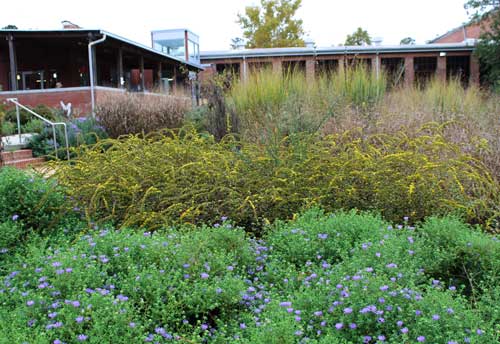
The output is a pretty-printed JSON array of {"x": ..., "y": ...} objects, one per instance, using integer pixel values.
[
  {"x": 294, "y": 67},
  {"x": 394, "y": 68},
  {"x": 458, "y": 67},
  {"x": 326, "y": 67},
  {"x": 425, "y": 69}
]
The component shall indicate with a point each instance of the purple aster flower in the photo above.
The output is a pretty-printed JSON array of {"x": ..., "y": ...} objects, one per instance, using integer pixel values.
[
  {"x": 298, "y": 333},
  {"x": 30, "y": 303},
  {"x": 57, "y": 341},
  {"x": 79, "y": 319},
  {"x": 421, "y": 339},
  {"x": 297, "y": 318},
  {"x": 404, "y": 330},
  {"x": 410, "y": 240},
  {"x": 204, "y": 327},
  {"x": 289, "y": 309},
  {"x": 82, "y": 337},
  {"x": 230, "y": 268},
  {"x": 75, "y": 304},
  {"x": 339, "y": 326},
  {"x": 56, "y": 264},
  {"x": 435, "y": 317},
  {"x": 285, "y": 304},
  {"x": 418, "y": 312},
  {"x": 391, "y": 266},
  {"x": 322, "y": 236},
  {"x": 318, "y": 313},
  {"x": 479, "y": 331},
  {"x": 384, "y": 288},
  {"x": 347, "y": 310},
  {"x": 367, "y": 339},
  {"x": 204, "y": 275},
  {"x": 381, "y": 338},
  {"x": 452, "y": 288},
  {"x": 399, "y": 323},
  {"x": 243, "y": 326},
  {"x": 52, "y": 315},
  {"x": 15, "y": 217},
  {"x": 132, "y": 324},
  {"x": 450, "y": 310},
  {"x": 353, "y": 325},
  {"x": 452, "y": 342}
]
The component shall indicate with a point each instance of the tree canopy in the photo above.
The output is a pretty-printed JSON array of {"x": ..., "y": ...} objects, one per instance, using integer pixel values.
[
  {"x": 10, "y": 27},
  {"x": 358, "y": 37},
  {"x": 272, "y": 24},
  {"x": 407, "y": 40},
  {"x": 488, "y": 48}
]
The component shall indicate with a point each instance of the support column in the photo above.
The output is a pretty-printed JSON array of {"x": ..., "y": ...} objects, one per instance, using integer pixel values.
[
  {"x": 376, "y": 65},
  {"x": 94, "y": 64},
  {"x": 141, "y": 72},
  {"x": 341, "y": 66},
  {"x": 244, "y": 70},
  {"x": 13, "y": 63},
  {"x": 277, "y": 66},
  {"x": 158, "y": 77},
  {"x": 120, "y": 68},
  {"x": 310, "y": 69},
  {"x": 441, "y": 68},
  {"x": 409, "y": 71},
  {"x": 474, "y": 71}
]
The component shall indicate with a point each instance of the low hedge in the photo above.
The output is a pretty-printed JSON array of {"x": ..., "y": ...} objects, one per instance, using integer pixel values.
[{"x": 187, "y": 177}]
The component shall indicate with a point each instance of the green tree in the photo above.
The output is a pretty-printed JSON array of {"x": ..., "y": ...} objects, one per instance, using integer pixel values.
[
  {"x": 359, "y": 37},
  {"x": 272, "y": 25},
  {"x": 235, "y": 42},
  {"x": 407, "y": 40},
  {"x": 488, "y": 48},
  {"x": 10, "y": 27}
]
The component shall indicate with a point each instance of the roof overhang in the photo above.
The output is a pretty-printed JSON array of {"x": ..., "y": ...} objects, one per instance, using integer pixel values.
[
  {"x": 340, "y": 50},
  {"x": 94, "y": 35}
]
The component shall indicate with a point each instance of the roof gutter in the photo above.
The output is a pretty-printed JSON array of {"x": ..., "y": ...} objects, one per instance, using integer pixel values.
[{"x": 91, "y": 70}]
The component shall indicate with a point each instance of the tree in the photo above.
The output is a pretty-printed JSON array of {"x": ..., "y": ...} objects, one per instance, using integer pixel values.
[
  {"x": 488, "y": 48},
  {"x": 359, "y": 37},
  {"x": 408, "y": 41},
  {"x": 236, "y": 42},
  {"x": 272, "y": 25},
  {"x": 10, "y": 27}
]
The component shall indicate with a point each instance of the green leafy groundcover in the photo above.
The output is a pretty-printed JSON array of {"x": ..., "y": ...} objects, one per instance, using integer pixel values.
[{"x": 342, "y": 278}]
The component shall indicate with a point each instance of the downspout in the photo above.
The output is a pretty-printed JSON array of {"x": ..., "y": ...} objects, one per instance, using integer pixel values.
[{"x": 91, "y": 72}]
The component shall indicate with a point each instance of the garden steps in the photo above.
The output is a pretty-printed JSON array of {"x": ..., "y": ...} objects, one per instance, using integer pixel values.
[{"x": 21, "y": 159}]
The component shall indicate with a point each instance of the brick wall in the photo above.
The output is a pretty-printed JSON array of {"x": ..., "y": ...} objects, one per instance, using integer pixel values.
[{"x": 78, "y": 97}]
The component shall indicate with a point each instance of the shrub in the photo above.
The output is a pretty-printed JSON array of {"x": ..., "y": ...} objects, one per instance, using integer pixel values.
[
  {"x": 25, "y": 116},
  {"x": 129, "y": 113},
  {"x": 122, "y": 287},
  {"x": 188, "y": 177},
  {"x": 81, "y": 131},
  {"x": 29, "y": 200},
  {"x": 216, "y": 285}
]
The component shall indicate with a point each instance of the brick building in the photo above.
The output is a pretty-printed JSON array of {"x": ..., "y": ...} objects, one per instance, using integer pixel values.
[
  {"x": 409, "y": 63},
  {"x": 78, "y": 66}
]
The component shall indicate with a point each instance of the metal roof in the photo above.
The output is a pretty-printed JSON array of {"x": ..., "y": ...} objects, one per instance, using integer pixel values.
[
  {"x": 339, "y": 50},
  {"x": 110, "y": 35}
]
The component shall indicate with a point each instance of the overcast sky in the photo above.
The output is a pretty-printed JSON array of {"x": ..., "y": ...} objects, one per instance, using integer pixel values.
[{"x": 327, "y": 22}]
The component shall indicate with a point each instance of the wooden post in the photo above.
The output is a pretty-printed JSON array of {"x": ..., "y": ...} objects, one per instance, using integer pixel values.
[
  {"x": 120, "y": 67},
  {"x": 13, "y": 63},
  {"x": 141, "y": 72}
]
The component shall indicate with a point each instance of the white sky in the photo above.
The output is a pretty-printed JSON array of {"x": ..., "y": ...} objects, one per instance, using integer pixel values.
[{"x": 327, "y": 21}]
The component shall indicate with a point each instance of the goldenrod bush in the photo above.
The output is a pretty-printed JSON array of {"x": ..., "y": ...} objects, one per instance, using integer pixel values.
[
  {"x": 172, "y": 177},
  {"x": 129, "y": 113}
]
